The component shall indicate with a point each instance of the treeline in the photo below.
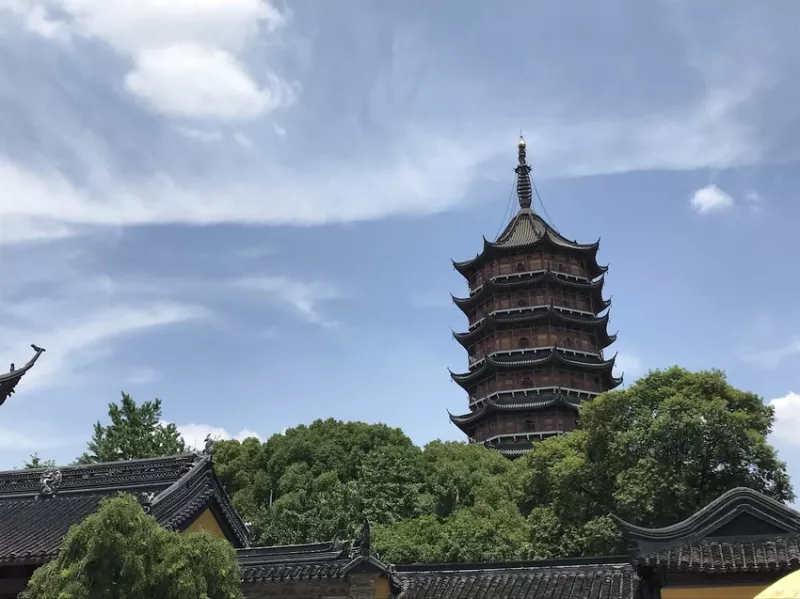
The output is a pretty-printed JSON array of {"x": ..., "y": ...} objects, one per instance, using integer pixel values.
[{"x": 653, "y": 454}]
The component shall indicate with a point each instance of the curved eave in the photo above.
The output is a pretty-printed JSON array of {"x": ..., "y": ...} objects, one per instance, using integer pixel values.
[
  {"x": 9, "y": 380},
  {"x": 491, "y": 249},
  {"x": 492, "y": 322},
  {"x": 715, "y": 514},
  {"x": 491, "y": 286},
  {"x": 491, "y": 365},
  {"x": 467, "y": 421}
]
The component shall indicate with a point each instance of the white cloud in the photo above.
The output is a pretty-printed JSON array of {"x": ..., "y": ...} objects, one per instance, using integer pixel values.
[
  {"x": 192, "y": 81},
  {"x": 787, "y": 418},
  {"x": 184, "y": 51},
  {"x": 711, "y": 199},
  {"x": 31, "y": 439},
  {"x": 304, "y": 298},
  {"x": 76, "y": 344},
  {"x": 195, "y": 434},
  {"x": 772, "y": 357}
]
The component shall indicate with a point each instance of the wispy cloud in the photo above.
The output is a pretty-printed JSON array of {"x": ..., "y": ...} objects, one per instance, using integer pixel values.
[
  {"x": 771, "y": 357},
  {"x": 77, "y": 343},
  {"x": 711, "y": 199},
  {"x": 630, "y": 364},
  {"x": 306, "y": 299}
]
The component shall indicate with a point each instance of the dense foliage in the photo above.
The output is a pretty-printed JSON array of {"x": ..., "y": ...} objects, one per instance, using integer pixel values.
[
  {"x": 653, "y": 454},
  {"x": 122, "y": 553},
  {"x": 135, "y": 432}
]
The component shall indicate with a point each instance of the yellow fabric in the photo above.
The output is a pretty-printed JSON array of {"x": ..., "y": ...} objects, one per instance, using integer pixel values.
[{"x": 787, "y": 587}]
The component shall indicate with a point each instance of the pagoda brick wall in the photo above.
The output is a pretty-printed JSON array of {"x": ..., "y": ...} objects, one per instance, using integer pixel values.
[
  {"x": 550, "y": 419},
  {"x": 544, "y": 296},
  {"x": 543, "y": 377},
  {"x": 523, "y": 337},
  {"x": 528, "y": 262}
]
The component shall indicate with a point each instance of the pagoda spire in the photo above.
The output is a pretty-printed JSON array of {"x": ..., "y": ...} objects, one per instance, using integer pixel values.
[{"x": 524, "y": 187}]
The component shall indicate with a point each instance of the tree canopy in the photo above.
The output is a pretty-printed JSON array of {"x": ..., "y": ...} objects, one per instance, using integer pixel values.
[
  {"x": 653, "y": 453},
  {"x": 135, "y": 432},
  {"x": 122, "y": 553}
]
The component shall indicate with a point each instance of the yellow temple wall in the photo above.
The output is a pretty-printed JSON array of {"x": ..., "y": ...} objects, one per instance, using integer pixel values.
[
  {"x": 206, "y": 521},
  {"x": 712, "y": 592}
]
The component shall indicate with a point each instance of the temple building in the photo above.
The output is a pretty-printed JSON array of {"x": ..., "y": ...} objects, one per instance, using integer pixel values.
[
  {"x": 9, "y": 380},
  {"x": 537, "y": 331}
]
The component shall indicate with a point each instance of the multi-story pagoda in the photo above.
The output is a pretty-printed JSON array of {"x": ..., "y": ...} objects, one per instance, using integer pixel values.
[
  {"x": 9, "y": 380},
  {"x": 537, "y": 331}
]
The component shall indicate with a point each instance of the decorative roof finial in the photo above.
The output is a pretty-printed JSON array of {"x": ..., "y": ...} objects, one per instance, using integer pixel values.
[
  {"x": 365, "y": 544},
  {"x": 524, "y": 188}
]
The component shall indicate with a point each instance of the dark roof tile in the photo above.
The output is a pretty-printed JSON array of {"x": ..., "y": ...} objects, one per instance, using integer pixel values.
[{"x": 584, "y": 581}]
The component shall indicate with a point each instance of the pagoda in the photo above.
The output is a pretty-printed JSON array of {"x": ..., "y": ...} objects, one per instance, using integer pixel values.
[{"x": 537, "y": 331}]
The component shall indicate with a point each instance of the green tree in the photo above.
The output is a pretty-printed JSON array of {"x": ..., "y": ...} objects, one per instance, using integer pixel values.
[
  {"x": 37, "y": 462},
  {"x": 122, "y": 553},
  {"x": 135, "y": 432},
  {"x": 653, "y": 454}
]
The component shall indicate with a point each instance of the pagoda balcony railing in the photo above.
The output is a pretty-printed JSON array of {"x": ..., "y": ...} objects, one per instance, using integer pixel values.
[
  {"x": 532, "y": 392},
  {"x": 524, "y": 436},
  {"x": 532, "y": 351},
  {"x": 528, "y": 273},
  {"x": 524, "y": 309}
]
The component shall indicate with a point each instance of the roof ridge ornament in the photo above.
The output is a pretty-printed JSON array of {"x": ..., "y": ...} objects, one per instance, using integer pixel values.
[
  {"x": 524, "y": 187},
  {"x": 50, "y": 481}
]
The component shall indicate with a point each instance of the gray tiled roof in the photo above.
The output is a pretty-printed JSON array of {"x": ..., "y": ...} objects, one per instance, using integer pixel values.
[
  {"x": 175, "y": 490},
  {"x": 518, "y": 581},
  {"x": 742, "y": 530}
]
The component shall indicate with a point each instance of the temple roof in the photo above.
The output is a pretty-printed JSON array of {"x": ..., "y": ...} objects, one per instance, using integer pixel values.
[
  {"x": 9, "y": 380},
  {"x": 529, "y": 231},
  {"x": 38, "y": 506},
  {"x": 526, "y": 403},
  {"x": 581, "y": 578},
  {"x": 335, "y": 559},
  {"x": 491, "y": 365},
  {"x": 742, "y": 530},
  {"x": 493, "y": 286},
  {"x": 549, "y": 314}
]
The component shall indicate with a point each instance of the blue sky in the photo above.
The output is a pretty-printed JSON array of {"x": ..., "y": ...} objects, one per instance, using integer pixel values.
[{"x": 249, "y": 209}]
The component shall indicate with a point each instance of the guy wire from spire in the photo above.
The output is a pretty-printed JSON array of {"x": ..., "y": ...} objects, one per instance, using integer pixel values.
[
  {"x": 544, "y": 208},
  {"x": 508, "y": 207}
]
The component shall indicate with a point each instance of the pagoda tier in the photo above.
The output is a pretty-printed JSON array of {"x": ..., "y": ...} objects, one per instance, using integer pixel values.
[
  {"x": 537, "y": 331},
  {"x": 9, "y": 380}
]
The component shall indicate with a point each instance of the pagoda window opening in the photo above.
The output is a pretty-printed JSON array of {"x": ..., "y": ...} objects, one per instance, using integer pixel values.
[
  {"x": 527, "y": 382},
  {"x": 520, "y": 267},
  {"x": 524, "y": 342},
  {"x": 522, "y": 302}
]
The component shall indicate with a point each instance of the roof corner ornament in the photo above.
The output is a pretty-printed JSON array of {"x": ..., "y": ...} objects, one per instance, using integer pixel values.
[
  {"x": 50, "y": 481},
  {"x": 524, "y": 187},
  {"x": 147, "y": 501},
  {"x": 365, "y": 541},
  {"x": 208, "y": 448}
]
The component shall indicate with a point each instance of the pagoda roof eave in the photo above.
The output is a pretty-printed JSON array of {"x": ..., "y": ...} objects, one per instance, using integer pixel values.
[
  {"x": 493, "y": 286},
  {"x": 525, "y": 232},
  {"x": 465, "y": 421},
  {"x": 551, "y": 313},
  {"x": 491, "y": 365},
  {"x": 9, "y": 380}
]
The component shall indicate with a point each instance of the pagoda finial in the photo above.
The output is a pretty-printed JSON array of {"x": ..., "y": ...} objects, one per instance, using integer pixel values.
[{"x": 524, "y": 187}]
